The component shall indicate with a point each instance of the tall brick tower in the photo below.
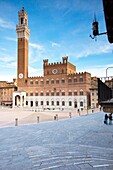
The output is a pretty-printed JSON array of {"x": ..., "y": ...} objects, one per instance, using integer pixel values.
[{"x": 23, "y": 33}]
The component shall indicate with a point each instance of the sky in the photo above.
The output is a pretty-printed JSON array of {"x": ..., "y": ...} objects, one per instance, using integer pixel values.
[{"x": 58, "y": 28}]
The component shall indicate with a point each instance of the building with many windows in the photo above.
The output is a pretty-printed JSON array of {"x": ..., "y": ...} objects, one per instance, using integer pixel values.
[
  {"x": 60, "y": 87},
  {"x": 6, "y": 92},
  {"x": 94, "y": 92}
]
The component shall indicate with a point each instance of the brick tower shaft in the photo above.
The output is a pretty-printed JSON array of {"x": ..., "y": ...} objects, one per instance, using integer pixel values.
[{"x": 23, "y": 33}]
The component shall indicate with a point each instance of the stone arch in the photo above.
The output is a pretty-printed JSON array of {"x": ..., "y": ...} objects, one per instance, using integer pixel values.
[
  {"x": 75, "y": 103},
  {"x": 19, "y": 99},
  {"x": 31, "y": 103}
]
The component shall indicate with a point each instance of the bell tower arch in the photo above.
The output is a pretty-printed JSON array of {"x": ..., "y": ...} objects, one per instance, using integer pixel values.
[{"x": 23, "y": 33}]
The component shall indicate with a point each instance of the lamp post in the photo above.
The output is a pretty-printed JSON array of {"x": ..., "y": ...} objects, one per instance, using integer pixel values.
[{"x": 107, "y": 70}]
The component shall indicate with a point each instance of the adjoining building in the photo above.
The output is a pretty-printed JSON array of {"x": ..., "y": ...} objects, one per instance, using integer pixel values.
[
  {"x": 6, "y": 91},
  {"x": 94, "y": 92},
  {"x": 60, "y": 87},
  {"x": 109, "y": 83}
]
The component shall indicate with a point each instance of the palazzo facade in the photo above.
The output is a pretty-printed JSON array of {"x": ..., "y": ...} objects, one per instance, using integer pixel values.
[{"x": 60, "y": 87}]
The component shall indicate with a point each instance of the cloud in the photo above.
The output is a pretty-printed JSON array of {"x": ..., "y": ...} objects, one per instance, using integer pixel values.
[
  {"x": 8, "y": 78},
  {"x": 6, "y": 24},
  {"x": 3, "y": 49},
  {"x": 33, "y": 45},
  {"x": 11, "y": 39},
  {"x": 99, "y": 70},
  {"x": 12, "y": 64},
  {"x": 36, "y": 52},
  {"x": 8, "y": 64},
  {"x": 54, "y": 44},
  {"x": 5, "y": 58},
  {"x": 35, "y": 72},
  {"x": 37, "y": 46},
  {"x": 94, "y": 50}
]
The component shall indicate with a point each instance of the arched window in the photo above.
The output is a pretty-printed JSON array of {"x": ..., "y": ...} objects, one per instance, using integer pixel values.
[
  {"x": 57, "y": 93},
  {"x": 52, "y": 93},
  {"x": 75, "y": 80},
  {"x": 52, "y": 81},
  {"x": 63, "y": 80},
  {"x": 63, "y": 93},
  {"x": 81, "y": 79},
  {"x": 75, "y": 104},
  {"x": 75, "y": 93},
  {"x": 81, "y": 93},
  {"x": 81, "y": 103},
  {"x": 52, "y": 103},
  {"x": 69, "y": 80},
  {"x": 47, "y": 102},
  {"x": 47, "y": 81},
  {"x": 36, "y": 93},
  {"x": 57, "y": 103},
  {"x": 47, "y": 93},
  {"x": 70, "y": 93},
  {"x": 41, "y": 93},
  {"x": 63, "y": 103},
  {"x": 41, "y": 82},
  {"x": 41, "y": 103},
  {"x": 70, "y": 103},
  {"x": 36, "y": 82},
  {"x": 22, "y": 20},
  {"x": 31, "y": 82},
  {"x": 57, "y": 81},
  {"x": 31, "y": 103},
  {"x": 62, "y": 70},
  {"x": 36, "y": 103},
  {"x": 31, "y": 93}
]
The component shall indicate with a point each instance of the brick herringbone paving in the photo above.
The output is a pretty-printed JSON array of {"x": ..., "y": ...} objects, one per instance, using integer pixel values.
[{"x": 83, "y": 142}]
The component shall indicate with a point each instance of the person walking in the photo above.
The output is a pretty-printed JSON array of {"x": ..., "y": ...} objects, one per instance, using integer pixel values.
[
  {"x": 110, "y": 118},
  {"x": 79, "y": 112},
  {"x": 106, "y": 119}
]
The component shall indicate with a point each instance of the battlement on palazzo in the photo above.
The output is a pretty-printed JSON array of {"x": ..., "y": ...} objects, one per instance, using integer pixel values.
[
  {"x": 35, "y": 77},
  {"x": 78, "y": 74},
  {"x": 64, "y": 61}
]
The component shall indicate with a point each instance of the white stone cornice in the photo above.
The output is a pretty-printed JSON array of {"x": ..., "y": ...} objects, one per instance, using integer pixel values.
[{"x": 23, "y": 31}]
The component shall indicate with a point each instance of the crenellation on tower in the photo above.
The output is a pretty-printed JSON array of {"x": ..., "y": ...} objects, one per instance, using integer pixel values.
[
  {"x": 23, "y": 17},
  {"x": 65, "y": 59},
  {"x": 45, "y": 62},
  {"x": 22, "y": 27}
]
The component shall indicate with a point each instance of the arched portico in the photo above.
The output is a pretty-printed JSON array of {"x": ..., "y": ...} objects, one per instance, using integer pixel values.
[
  {"x": 75, "y": 104},
  {"x": 19, "y": 99}
]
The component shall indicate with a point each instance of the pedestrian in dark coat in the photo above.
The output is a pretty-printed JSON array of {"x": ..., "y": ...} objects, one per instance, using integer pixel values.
[
  {"x": 110, "y": 118},
  {"x": 106, "y": 119}
]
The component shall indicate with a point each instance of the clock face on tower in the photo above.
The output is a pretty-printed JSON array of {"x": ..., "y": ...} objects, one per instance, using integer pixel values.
[
  {"x": 54, "y": 71},
  {"x": 20, "y": 76}
]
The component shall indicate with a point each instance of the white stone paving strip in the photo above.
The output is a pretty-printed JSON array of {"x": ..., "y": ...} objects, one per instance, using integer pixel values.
[
  {"x": 104, "y": 165},
  {"x": 50, "y": 167}
]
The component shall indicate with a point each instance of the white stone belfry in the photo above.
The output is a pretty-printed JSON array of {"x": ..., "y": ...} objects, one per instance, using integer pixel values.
[{"x": 22, "y": 28}]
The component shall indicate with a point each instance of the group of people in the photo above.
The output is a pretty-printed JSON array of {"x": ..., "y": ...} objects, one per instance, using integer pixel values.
[{"x": 108, "y": 117}]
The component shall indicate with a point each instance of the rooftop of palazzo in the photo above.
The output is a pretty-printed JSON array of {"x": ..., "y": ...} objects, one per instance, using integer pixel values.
[
  {"x": 79, "y": 73},
  {"x": 64, "y": 61},
  {"x": 71, "y": 75},
  {"x": 8, "y": 84}
]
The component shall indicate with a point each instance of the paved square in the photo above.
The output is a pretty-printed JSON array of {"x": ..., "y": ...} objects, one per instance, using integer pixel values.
[{"x": 83, "y": 142}]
